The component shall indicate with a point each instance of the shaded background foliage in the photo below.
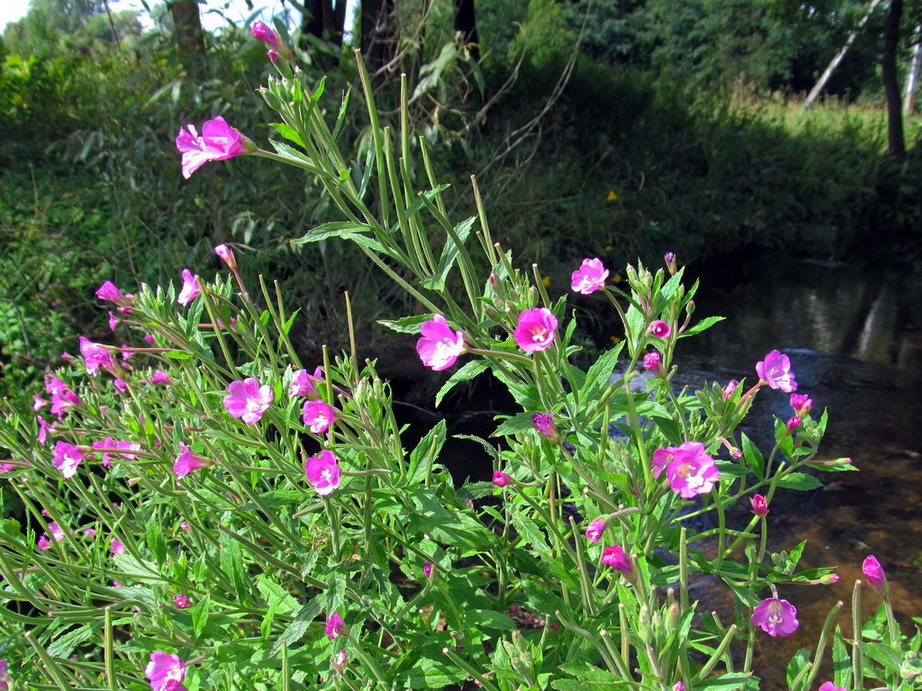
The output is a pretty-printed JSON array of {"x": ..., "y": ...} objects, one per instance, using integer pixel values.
[{"x": 595, "y": 129}]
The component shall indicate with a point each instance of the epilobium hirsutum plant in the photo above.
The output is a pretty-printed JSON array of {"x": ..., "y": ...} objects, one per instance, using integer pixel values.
[{"x": 223, "y": 519}]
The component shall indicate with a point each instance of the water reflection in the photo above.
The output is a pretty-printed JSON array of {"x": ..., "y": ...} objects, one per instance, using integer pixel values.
[{"x": 856, "y": 346}]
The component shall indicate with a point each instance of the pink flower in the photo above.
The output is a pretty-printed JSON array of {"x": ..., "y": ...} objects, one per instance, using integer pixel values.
[
  {"x": 335, "y": 626},
  {"x": 759, "y": 505},
  {"x": 117, "y": 546},
  {"x": 318, "y": 416},
  {"x": 267, "y": 35},
  {"x": 190, "y": 288},
  {"x": 302, "y": 383},
  {"x": 43, "y": 429},
  {"x": 4, "y": 675},
  {"x": 730, "y": 388},
  {"x": 616, "y": 558},
  {"x": 186, "y": 461},
  {"x": 660, "y": 329},
  {"x": 775, "y": 370},
  {"x": 439, "y": 346},
  {"x": 248, "y": 400},
  {"x": 127, "y": 352},
  {"x": 794, "y": 422},
  {"x": 536, "y": 330},
  {"x": 57, "y": 534},
  {"x": 120, "y": 385},
  {"x": 67, "y": 457},
  {"x": 653, "y": 362},
  {"x": 227, "y": 254},
  {"x": 340, "y": 659},
  {"x": 219, "y": 141},
  {"x": 501, "y": 479},
  {"x": 873, "y": 572},
  {"x": 124, "y": 445},
  {"x": 274, "y": 57},
  {"x": 38, "y": 403},
  {"x": 108, "y": 291},
  {"x": 160, "y": 377},
  {"x": 829, "y": 686},
  {"x": 662, "y": 457},
  {"x": 801, "y": 404},
  {"x": 427, "y": 568},
  {"x": 689, "y": 469},
  {"x": 149, "y": 338},
  {"x": 44, "y": 543},
  {"x": 164, "y": 669},
  {"x": 595, "y": 530},
  {"x": 775, "y": 617},
  {"x": 589, "y": 277},
  {"x": 113, "y": 321},
  {"x": 185, "y": 526},
  {"x": 94, "y": 356},
  {"x": 544, "y": 424},
  {"x": 180, "y": 601},
  {"x": 323, "y": 472}
]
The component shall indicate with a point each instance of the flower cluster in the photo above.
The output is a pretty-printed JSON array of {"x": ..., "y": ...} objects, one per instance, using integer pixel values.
[{"x": 689, "y": 469}]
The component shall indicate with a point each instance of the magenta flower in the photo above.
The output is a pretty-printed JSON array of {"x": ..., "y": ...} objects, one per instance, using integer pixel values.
[
  {"x": 302, "y": 383},
  {"x": 57, "y": 534},
  {"x": 190, "y": 288},
  {"x": 180, "y": 601},
  {"x": 43, "y": 543},
  {"x": 4, "y": 675},
  {"x": 120, "y": 385},
  {"x": 759, "y": 505},
  {"x": 270, "y": 37},
  {"x": 595, "y": 530},
  {"x": 775, "y": 617},
  {"x": 439, "y": 346},
  {"x": 653, "y": 362},
  {"x": 185, "y": 526},
  {"x": 108, "y": 291},
  {"x": 427, "y": 568},
  {"x": 669, "y": 258},
  {"x": 335, "y": 626},
  {"x": 794, "y": 422},
  {"x": 248, "y": 400},
  {"x": 43, "y": 429},
  {"x": 775, "y": 370},
  {"x": 117, "y": 546},
  {"x": 589, "y": 277},
  {"x": 323, "y": 472},
  {"x": 662, "y": 457},
  {"x": 218, "y": 142},
  {"x": 873, "y": 572},
  {"x": 113, "y": 321},
  {"x": 660, "y": 329},
  {"x": 94, "y": 356},
  {"x": 227, "y": 254},
  {"x": 125, "y": 445},
  {"x": 829, "y": 686},
  {"x": 616, "y": 558},
  {"x": 186, "y": 461},
  {"x": 689, "y": 469},
  {"x": 165, "y": 671},
  {"x": 160, "y": 377},
  {"x": 318, "y": 416},
  {"x": 273, "y": 55},
  {"x": 544, "y": 424},
  {"x": 501, "y": 479},
  {"x": 536, "y": 330},
  {"x": 730, "y": 388},
  {"x": 801, "y": 404},
  {"x": 67, "y": 457}
]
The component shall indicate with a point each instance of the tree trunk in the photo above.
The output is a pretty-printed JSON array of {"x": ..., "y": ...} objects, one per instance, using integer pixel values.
[
  {"x": 466, "y": 25},
  {"x": 895, "y": 141},
  {"x": 379, "y": 35},
  {"x": 325, "y": 19},
  {"x": 190, "y": 38},
  {"x": 912, "y": 79},
  {"x": 840, "y": 55}
]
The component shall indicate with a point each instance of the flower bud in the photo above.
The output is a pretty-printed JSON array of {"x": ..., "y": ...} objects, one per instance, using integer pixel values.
[{"x": 759, "y": 505}]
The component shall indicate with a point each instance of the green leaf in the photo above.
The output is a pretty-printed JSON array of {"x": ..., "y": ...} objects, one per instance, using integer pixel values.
[
  {"x": 754, "y": 457},
  {"x": 488, "y": 619},
  {"x": 704, "y": 324},
  {"x": 178, "y": 355},
  {"x": 155, "y": 540},
  {"x": 273, "y": 592},
  {"x": 200, "y": 614},
  {"x": 290, "y": 133},
  {"x": 730, "y": 682},
  {"x": 232, "y": 564},
  {"x": 467, "y": 372},
  {"x": 841, "y": 661},
  {"x": 800, "y": 482},
  {"x": 521, "y": 422},
  {"x": 297, "y": 628},
  {"x": 428, "y": 447},
  {"x": 449, "y": 254},
  {"x": 405, "y": 325},
  {"x": 347, "y": 230},
  {"x": 64, "y": 645}
]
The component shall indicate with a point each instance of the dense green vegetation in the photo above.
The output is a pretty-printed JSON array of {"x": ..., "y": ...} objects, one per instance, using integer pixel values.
[{"x": 595, "y": 129}]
